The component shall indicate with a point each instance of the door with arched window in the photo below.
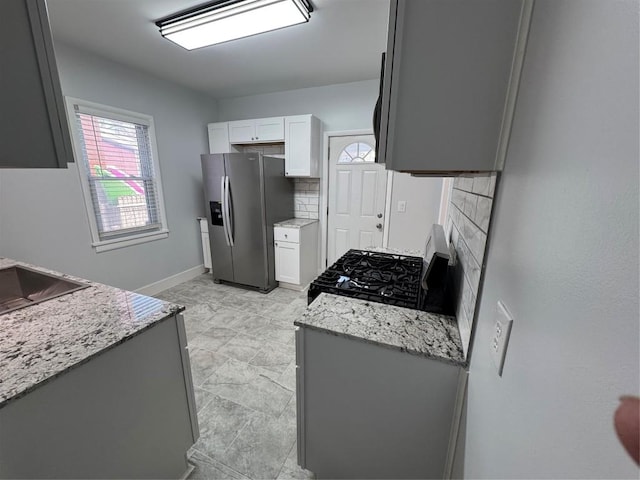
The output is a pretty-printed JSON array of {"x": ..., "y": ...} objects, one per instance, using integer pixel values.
[{"x": 357, "y": 192}]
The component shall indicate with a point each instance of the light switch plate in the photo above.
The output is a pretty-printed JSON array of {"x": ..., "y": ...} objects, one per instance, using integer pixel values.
[
  {"x": 402, "y": 206},
  {"x": 500, "y": 336}
]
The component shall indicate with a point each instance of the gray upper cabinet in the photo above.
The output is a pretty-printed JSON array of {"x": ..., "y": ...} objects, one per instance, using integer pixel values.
[
  {"x": 449, "y": 84},
  {"x": 33, "y": 127}
]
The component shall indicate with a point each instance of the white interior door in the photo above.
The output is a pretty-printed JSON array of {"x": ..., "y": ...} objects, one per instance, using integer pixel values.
[{"x": 357, "y": 192}]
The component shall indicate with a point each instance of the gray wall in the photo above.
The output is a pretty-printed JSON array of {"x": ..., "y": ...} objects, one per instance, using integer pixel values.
[
  {"x": 563, "y": 255},
  {"x": 44, "y": 220},
  {"x": 409, "y": 230},
  {"x": 345, "y": 106}
]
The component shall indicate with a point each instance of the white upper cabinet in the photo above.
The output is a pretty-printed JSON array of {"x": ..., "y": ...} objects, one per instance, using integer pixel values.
[
  {"x": 34, "y": 132},
  {"x": 219, "y": 138},
  {"x": 449, "y": 85},
  {"x": 301, "y": 135},
  {"x": 302, "y": 146},
  {"x": 261, "y": 130}
]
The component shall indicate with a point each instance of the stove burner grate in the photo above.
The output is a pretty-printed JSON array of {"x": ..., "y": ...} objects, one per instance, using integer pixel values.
[{"x": 373, "y": 276}]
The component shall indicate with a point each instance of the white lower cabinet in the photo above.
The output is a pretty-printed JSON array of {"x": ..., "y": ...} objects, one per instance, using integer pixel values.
[
  {"x": 296, "y": 255},
  {"x": 288, "y": 262}
]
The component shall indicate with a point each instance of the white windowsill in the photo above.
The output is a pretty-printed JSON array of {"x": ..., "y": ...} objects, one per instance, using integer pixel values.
[{"x": 106, "y": 245}]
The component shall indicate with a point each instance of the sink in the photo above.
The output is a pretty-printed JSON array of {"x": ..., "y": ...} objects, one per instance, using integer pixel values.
[{"x": 21, "y": 287}]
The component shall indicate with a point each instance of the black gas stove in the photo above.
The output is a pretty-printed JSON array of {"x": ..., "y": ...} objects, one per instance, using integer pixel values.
[{"x": 373, "y": 276}]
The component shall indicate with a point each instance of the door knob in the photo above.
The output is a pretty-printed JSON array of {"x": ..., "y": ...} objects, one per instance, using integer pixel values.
[
  {"x": 379, "y": 215},
  {"x": 379, "y": 226}
]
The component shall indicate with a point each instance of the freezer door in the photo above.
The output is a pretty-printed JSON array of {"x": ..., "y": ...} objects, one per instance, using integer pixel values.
[
  {"x": 248, "y": 232},
  {"x": 213, "y": 174}
]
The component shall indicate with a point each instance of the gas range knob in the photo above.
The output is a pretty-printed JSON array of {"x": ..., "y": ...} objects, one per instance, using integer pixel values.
[{"x": 379, "y": 226}]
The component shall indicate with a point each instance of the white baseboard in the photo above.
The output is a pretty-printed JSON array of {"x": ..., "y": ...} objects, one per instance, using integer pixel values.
[
  {"x": 161, "y": 285},
  {"x": 292, "y": 286}
]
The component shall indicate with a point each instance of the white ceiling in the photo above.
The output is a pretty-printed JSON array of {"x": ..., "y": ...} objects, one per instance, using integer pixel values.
[{"x": 341, "y": 43}]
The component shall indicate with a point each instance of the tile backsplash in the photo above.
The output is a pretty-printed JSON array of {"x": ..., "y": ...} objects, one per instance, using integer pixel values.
[
  {"x": 306, "y": 190},
  {"x": 307, "y": 197},
  {"x": 467, "y": 227}
]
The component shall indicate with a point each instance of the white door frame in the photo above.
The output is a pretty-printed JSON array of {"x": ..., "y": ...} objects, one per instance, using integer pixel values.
[{"x": 324, "y": 188}]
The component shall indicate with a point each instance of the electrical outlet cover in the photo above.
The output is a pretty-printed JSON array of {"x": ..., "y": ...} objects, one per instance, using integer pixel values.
[{"x": 500, "y": 336}]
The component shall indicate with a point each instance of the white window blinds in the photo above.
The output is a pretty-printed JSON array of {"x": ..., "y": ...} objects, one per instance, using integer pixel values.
[{"x": 119, "y": 168}]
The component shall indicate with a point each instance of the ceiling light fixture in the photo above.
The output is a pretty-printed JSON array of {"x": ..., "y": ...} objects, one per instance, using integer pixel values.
[{"x": 225, "y": 20}]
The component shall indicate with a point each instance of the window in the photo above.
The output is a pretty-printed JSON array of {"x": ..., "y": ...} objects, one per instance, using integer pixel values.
[
  {"x": 357, "y": 152},
  {"x": 116, "y": 156}
]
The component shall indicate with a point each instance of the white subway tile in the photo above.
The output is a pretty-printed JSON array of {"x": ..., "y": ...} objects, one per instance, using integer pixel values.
[
  {"x": 464, "y": 327},
  {"x": 472, "y": 270},
  {"x": 470, "y": 201},
  {"x": 457, "y": 198},
  {"x": 476, "y": 244},
  {"x": 481, "y": 185},
  {"x": 466, "y": 183},
  {"x": 483, "y": 213},
  {"x": 454, "y": 236}
]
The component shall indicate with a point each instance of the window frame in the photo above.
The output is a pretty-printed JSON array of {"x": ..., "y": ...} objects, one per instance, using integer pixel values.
[
  {"x": 126, "y": 239},
  {"x": 362, "y": 159}
]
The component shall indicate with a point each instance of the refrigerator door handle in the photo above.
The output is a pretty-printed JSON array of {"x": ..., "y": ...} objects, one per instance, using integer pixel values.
[
  {"x": 224, "y": 209},
  {"x": 227, "y": 204}
]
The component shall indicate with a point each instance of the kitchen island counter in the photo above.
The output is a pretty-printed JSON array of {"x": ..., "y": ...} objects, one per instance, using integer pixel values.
[
  {"x": 42, "y": 341},
  {"x": 413, "y": 331}
]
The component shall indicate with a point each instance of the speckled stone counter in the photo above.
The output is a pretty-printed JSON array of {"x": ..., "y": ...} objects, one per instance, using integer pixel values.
[
  {"x": 295, "y": 223},
  {"x": 412, "y": 331},
  {"x": 395, "y": 251},
  {"x": 42, "y": 341}
]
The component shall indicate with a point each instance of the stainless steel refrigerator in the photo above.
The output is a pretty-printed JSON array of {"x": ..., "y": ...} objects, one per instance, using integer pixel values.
[{"x": 245, "y": 194}]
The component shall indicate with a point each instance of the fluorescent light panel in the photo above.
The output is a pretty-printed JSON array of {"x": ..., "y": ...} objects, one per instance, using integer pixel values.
[{"x": 230, "y": 22}]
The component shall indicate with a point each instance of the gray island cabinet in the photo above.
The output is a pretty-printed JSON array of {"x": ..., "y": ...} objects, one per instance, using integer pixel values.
[
  {"x": 377, "y": 390},
  {"x": 95, "y": 384}
]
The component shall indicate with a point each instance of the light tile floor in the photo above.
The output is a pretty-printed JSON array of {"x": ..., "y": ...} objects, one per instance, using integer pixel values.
[{"x": 242, "y": 349}]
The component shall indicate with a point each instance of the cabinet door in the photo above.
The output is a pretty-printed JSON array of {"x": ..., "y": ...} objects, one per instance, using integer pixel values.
[
  {"x": 34, "y": 132},
  {"x": 270, "y": 129},
  {"x": 302, "y": 146},
  {"x": 243, "y": 131},
  {"x": 219, "y": 138},
  {"x": 287, "y": 262},
  {"x": 450, "y": 87}
]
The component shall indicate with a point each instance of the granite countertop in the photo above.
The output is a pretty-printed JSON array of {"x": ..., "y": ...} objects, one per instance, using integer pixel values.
[
  {"x": 295, "y": 223},
  {"x": 396, "y": 251},
  {"x": 413, "y": 331},
  {"x": 42, "y": 341}
]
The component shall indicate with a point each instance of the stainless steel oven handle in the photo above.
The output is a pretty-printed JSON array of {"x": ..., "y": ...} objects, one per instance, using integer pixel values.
[
  {"x": 224, "y": 209},
  {"x": 229, "y": 214}
]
